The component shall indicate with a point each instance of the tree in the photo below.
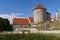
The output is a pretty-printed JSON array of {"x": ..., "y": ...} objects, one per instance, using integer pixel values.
[
  {"x": 5, "y": 25},
  {"x": 1, "y": 24}
]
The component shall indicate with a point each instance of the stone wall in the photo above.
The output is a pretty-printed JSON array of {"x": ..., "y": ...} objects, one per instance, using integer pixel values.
[{"x": 39, "y": 15}]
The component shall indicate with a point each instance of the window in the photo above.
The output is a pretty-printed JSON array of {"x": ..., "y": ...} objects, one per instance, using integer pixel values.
[{"x": 37, "y": 12}]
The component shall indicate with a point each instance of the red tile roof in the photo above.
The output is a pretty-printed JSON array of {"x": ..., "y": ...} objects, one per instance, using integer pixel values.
[
  {"x": 21, "y": 21},
  {"x": 31, "y": 19},
  {"x": 40, "y": 6}
]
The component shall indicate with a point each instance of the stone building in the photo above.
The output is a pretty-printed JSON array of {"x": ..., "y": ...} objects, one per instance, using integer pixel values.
[
  {"x": 19, "y": 23},
  {"x": 40, "y": 14},
  {"x": 56, "y": 17}
]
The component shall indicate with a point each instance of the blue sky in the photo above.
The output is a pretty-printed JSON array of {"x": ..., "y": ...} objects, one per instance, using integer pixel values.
[{"x": 24, "y": 8}]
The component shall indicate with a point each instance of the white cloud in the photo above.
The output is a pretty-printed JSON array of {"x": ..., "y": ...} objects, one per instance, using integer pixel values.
[
  {"x": 16, "y": 14},
  {"x": 10, "y": 16}
]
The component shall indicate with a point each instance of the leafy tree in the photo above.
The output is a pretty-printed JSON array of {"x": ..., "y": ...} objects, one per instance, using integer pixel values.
[
  {"x": 5, "y": 25},
  {"x": 1, "y": 24}
]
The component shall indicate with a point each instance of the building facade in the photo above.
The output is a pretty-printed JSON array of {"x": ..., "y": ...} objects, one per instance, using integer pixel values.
[
  {"x": 19, "y": 23},
  {"x": 56, "y": 17},
  {"x": 40, "y": 15}
]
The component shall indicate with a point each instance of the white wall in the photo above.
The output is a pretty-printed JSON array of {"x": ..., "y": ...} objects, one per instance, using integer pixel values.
[{"x": 17, "y": 27}]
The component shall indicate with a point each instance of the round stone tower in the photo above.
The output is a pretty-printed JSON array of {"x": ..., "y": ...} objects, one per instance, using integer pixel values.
[{"x": 39, "y": 14}]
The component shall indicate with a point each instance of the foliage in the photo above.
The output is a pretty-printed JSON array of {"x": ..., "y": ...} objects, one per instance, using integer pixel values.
[
  {"x": 27, "y": 37},
  {"x": 4, "y": 25}
]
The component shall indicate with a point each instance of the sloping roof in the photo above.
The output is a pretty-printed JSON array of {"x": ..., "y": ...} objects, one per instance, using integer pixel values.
[
  {"x": 31, "y": 19},
  {"x": 48, "y": 13},
  {"x": 39, "y": 6},
  {"x": 21, "y": 21}
]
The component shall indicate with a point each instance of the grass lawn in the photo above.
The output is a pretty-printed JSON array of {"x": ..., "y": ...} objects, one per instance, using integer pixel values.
[{"x": 32, "y": 36}]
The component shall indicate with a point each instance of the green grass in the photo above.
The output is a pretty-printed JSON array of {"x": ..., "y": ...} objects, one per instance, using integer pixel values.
[{"x": 31, "y": 36}]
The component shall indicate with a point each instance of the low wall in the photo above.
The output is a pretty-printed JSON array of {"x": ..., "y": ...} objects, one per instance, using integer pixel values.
[{"x": 19, "y": 32}]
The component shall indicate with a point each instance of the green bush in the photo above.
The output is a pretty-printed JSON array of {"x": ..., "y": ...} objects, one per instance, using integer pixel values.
[{"x": 28, "y": 37}]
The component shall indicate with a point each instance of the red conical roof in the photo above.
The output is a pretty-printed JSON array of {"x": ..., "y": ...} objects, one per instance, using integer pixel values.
[{"x": 39, "y": 6}]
